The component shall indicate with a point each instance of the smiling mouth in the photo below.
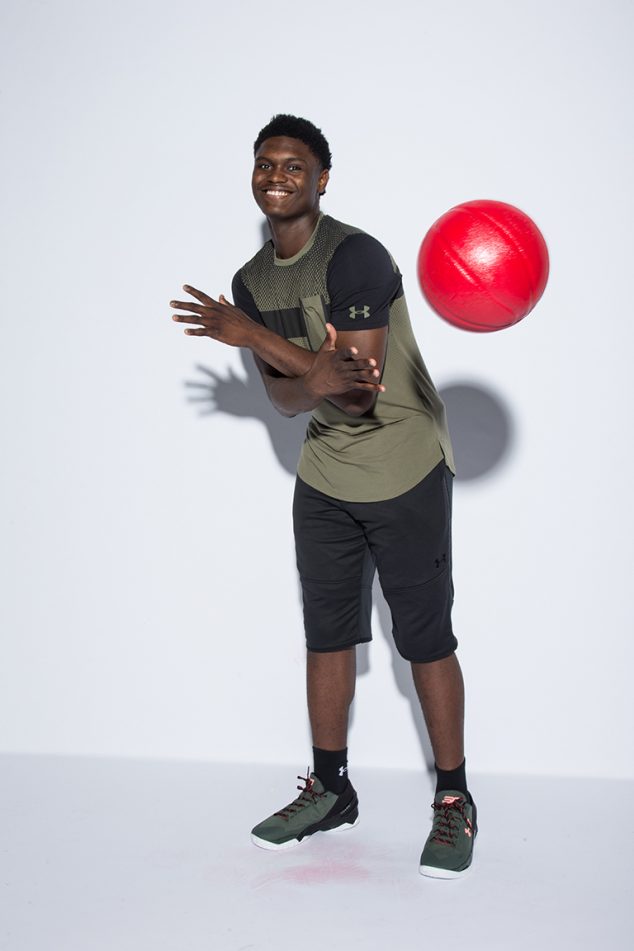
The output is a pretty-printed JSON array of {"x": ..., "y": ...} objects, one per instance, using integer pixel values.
[{"x": 276, "y": 193}]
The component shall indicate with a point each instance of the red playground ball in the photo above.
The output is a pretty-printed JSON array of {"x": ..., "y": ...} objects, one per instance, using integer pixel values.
[{"x": 483, "y": 265}]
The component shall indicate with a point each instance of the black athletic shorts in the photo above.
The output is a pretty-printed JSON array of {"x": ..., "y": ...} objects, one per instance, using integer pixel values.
[{"x": 407, "y": 539}]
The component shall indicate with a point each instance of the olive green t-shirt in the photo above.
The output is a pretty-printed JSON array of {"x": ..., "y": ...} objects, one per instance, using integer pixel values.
[{"x": 347, "y": 278}]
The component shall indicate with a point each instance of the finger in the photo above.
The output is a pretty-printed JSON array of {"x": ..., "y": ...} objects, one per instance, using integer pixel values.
[
  {"x": 375, "y": 387},
  {"x": 212, "y": 373},
  {"x": 185, "y": 305},
  {"x": 364, "y": 373},
  {"x": 183, "y": 319},
  {"x": 364, "y": 364},
  {"x": 347, "y": 353},
  {"x": 199, "y": 332},
  {"x": 199, "y": 295},
  {"x": 331, "y": 338}
]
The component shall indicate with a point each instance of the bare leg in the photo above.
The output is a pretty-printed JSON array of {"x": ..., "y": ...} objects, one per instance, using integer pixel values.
[
  {"x": 330, "y": 679},
  {"x": 440, "y": 689}
]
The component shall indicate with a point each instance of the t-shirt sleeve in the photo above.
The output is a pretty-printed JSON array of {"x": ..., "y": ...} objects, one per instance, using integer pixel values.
[
  {"x": 362, "y": 283},
  {"x": 243, "y": 299}
]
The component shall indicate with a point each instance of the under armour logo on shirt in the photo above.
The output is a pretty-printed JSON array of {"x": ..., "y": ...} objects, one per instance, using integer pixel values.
[{"x": 360, "y": 311}]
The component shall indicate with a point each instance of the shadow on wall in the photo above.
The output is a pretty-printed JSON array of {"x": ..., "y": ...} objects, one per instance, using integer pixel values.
[
  {"x": 481, "y": 427},
  {"x": 482, "y": 433},
  {"x": 246, "y": 397},
  {"x": 402, "y": 675},
  {"x": 480, "y": 423}
]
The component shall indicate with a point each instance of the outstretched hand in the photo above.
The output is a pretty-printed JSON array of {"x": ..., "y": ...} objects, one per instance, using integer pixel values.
[
  {"x": 338, "y": 371},
  {"x": 216, "y": 318}
]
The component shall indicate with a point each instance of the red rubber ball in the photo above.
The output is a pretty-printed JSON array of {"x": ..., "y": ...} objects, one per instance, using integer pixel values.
[{"x": 483, "y": 265}]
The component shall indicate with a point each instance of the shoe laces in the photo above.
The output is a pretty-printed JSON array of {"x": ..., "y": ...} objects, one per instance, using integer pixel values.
[
  {"x": 307, "y": 796},
  {"x": 449, "y": 815}
]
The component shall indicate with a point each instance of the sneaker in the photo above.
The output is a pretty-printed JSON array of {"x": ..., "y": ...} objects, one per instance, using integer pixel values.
[
  {"x": 449, "y": 848},
  {"x": 314, "y": 810}
]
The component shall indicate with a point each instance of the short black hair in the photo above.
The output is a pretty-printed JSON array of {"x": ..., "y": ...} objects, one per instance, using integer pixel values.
[{"x": 296, "y": 128}]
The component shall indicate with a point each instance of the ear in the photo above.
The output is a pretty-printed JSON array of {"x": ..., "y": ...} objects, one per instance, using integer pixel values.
[{"x": 323, "y": 181}]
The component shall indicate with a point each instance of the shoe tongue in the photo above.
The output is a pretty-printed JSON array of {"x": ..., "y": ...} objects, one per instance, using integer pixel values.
[
  {"x": 318, "y": 786},
  {"x": 447, "y": 797}
]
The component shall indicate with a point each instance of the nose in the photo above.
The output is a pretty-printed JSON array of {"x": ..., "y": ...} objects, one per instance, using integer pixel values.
[{"x": 277, "y": 174}]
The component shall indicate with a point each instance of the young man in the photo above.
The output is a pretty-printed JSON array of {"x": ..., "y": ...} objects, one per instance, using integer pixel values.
[{"x": 322, "y": 308}]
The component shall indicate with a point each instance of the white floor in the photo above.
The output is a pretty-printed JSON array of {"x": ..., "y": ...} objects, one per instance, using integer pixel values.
[{"x": 126, "y": 855}]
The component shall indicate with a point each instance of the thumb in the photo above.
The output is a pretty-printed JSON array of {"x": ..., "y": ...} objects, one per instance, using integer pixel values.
[{"x": 330, "y": 339}]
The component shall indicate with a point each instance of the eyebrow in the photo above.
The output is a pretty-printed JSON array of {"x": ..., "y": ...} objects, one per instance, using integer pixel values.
[{"x": 287, "y": 158}]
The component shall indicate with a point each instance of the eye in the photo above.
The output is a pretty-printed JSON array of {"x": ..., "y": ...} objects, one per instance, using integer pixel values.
[
  {"x": 262, "y": 165},
  {"x": 294, "y": 168}
]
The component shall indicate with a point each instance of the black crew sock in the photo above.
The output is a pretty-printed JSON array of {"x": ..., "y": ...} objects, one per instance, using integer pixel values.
[
  {"x": 332, "y": 768},
  {"x": 452, "y": 778}
]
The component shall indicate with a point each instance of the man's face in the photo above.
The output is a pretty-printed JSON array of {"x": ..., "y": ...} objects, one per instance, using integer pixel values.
[{"x": 287, "y": 178}]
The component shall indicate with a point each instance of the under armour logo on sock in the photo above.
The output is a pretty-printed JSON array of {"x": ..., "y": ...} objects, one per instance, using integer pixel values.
[{"x": 342, "y": 770}]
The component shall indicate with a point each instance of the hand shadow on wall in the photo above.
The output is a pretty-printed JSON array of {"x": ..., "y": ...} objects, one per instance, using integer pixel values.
[
  {"x": 480, "y": 423},
  {"x": 246, "y": 397}
]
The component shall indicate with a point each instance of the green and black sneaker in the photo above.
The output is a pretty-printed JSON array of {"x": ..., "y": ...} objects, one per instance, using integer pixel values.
[
  {"x": 314, "y": 810},
  {"x": 449, "y": 848}
]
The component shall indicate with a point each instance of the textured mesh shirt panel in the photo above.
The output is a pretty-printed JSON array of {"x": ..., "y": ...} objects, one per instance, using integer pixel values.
[{"x": 346, "y": 277}]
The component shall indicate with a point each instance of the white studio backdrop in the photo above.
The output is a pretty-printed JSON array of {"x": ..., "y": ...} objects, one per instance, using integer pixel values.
[{"x": 150, "y": 605}]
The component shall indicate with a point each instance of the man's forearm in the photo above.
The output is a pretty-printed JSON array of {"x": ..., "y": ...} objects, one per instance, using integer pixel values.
[
  {"x": 288, "y": 358},
  {"x": 290, "y": 396}
]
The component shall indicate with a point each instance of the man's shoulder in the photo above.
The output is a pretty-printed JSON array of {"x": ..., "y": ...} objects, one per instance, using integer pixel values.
[
  {"x": 350, "y": 234},
  {"x": 334, "y": 239},
  {"x": 329, "y": 228},
  {"x": 358, "y": 250},
  {"x": 357, "y": 239},
  {"x": 348, "y": 245},
  {"x": 339, "y": 228}
]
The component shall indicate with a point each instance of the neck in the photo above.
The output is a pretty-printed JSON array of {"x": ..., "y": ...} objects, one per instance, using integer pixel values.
[{"x": 289, "y": 237}]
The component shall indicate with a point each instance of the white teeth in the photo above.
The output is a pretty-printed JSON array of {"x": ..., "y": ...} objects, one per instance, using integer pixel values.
[{"x": 277, "y": 194}]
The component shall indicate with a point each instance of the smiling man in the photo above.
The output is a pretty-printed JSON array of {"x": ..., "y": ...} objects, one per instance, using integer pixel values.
[{"x": 321, "y": 306}]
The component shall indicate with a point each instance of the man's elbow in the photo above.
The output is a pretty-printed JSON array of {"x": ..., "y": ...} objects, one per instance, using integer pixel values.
[
  {"x": 282, "y": 409},
  {"x": 360, "y": 404}
]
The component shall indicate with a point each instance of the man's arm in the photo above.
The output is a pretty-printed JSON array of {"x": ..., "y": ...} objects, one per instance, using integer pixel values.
[
  {"x": 334, "y": 375},
  {"x": 371, "y": 345},
  {"x": 305, "y": 377},
  {"x": 362, "y": 282}
]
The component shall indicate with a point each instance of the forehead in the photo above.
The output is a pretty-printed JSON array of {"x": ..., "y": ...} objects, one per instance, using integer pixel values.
[{"x": 282, "y": 146}]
